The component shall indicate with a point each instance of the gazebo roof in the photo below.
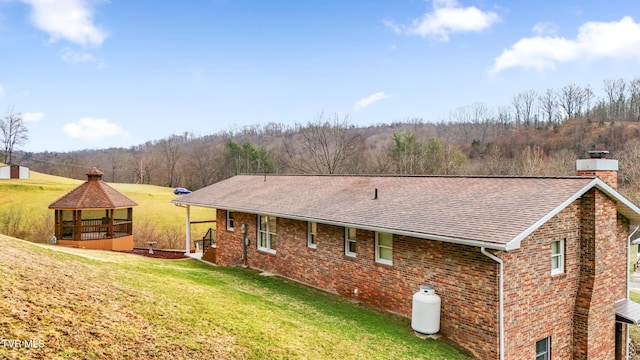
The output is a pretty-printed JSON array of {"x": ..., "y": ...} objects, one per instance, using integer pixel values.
[{"x": 93, "y": 194}]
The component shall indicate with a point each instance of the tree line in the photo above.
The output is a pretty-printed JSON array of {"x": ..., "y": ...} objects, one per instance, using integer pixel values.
[{"x": 536, "y": 134}]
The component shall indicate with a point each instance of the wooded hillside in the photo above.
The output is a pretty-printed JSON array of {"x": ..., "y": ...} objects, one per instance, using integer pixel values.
[{"x": 536, "y": 134}]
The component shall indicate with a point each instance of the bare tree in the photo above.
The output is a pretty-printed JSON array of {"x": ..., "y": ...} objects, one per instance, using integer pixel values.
[
  {"x": 634, "y": 99},
  {"x": 571, "y": 99},
  {"x": 615, "y": 90},
  {"x": 483, "y": 118},
  {"x": 205, "y": 166},
  {"x": 13, "y": 133},
  {"x": 504, "y": 117},
  {"x": 324, "y": 146},
  {"x": 549, "y": 106},
  {"x": 170, "y": 149},
  {"x": 462, "y": 118},
  {"x": 523, "y": 107},
  {"x": 141, "y": 163}
]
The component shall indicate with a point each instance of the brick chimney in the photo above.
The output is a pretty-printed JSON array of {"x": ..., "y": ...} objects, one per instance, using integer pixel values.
[{"x": 597, "y": 165}]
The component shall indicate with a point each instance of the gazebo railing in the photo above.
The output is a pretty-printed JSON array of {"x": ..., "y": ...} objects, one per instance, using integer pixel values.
[{"x": 96, "y": 229}]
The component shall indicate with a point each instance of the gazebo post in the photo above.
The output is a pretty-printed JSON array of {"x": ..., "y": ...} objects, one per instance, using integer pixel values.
[
  {"x": 56, "y": 224},
  {"x": 130, "y": 220},
  {"x": 77, "y": 221},
  {"x": 110, "y": 231},
  {"x": 188, "y": 232}
]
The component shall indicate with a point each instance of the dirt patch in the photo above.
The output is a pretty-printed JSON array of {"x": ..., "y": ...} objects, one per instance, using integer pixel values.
[{"x": 158, "y": 254}]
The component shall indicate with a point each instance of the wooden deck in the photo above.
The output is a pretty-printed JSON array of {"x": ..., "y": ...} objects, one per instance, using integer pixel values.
[{"x": 124, "y": 242}]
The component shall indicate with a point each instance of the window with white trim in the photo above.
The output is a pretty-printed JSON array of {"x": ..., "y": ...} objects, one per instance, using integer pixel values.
[
  {"x": 557, "y": 257},
  {"x": 312, "y": 232},
  {"x": 267, "y": 238},
  {"x": 384, "y": 248},
  {"x": 230, "y": 221},
  {"x": 350, "y": 241},
  {"x": 543, "y": 349}
]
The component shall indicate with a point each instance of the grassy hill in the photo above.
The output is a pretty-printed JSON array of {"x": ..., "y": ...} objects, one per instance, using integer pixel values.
[
  {"x": 92, "y": 304},
  {"x": 26, "y": 203}
]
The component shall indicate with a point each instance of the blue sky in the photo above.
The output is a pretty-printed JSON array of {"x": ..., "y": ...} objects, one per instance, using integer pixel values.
[{"x": 97, "y": 73}]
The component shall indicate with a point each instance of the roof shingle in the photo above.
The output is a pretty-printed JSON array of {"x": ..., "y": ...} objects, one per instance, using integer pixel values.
[
  {"x": 93, "y": 194},
  {"x": 492, "y": 210}
]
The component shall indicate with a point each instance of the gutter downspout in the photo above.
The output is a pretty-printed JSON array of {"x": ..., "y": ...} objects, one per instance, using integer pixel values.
[
  {"x": 501, "y": 297},
  {"x": 628, "y": 282},
  {"x": 245, "y": 243}
]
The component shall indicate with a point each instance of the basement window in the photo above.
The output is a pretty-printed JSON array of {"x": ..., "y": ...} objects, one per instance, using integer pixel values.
[
  {"x": 230, "y": 221},
  {"x": 350, "y": 241},
  {"x": 543, "y": 349},
  {"x": 384, "y": 248},
  {"x": 557, "y": 257},
  {"x": 267, "y": 238},
  {"x": 312, "y": 232}
]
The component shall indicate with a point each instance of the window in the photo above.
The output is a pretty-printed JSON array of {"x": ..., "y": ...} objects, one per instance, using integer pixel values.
[
  {"x": 312, "y": 232},
  {"x": 267, "y": 238},
  {"x": 350, "y": 242},
  {"x": 230, "y": 221},
  {"x": 557, "y": 257},
  {"x": 543, "y": 349},
  {"x": 384, "y": 248}
]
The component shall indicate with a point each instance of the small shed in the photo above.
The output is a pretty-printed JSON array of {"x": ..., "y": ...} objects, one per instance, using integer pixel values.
[
  {"x": 14, "y": 172},
  {"x": 95, "y": 216}
]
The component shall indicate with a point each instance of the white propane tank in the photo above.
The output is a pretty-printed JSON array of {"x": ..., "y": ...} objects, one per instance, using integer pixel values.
[{"x": 425, "y": 313}]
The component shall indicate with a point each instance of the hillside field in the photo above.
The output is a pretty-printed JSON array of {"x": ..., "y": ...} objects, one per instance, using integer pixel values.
[{"x": 31, "y": 197}]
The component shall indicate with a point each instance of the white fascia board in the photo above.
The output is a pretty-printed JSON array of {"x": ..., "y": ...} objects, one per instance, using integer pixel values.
[
  {"x": 515, "y": 242},
  {"x": 597, "y": 183},
  {"x": 621, "y": 201}
]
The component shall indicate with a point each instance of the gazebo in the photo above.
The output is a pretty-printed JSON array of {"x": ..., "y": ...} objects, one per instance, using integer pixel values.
[{"x": 94, "y": 216}]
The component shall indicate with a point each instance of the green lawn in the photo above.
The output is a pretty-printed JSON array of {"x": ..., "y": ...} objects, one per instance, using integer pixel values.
[{"x": 99, "y": 304}]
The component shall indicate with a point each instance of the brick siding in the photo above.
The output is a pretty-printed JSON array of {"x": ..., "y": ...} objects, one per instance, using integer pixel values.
[
  {"x": 609, "y": 177},
  {"x": 466, "y": 280},
  {"x": 537, "y": 304}
]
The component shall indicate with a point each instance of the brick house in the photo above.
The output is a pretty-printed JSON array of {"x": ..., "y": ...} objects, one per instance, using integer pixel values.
[{"x": 527, "y": 267}]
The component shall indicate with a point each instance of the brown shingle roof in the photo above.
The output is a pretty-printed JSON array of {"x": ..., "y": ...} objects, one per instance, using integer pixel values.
[
  {"x": 93, "y": 194},
  {"x": 485, "y": 211}
]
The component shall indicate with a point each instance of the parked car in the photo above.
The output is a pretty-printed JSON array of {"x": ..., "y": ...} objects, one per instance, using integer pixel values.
[{"x": 181, "y": 191}]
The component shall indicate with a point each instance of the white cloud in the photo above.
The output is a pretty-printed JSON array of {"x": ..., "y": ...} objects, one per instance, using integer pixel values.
[
  {"x": 72, "y": 57},
  {"x": 545, "y": 28},
  {"x": 93, "y": 129},
  {"x": 595, "y": 41},
  {"x": 364, "y": 102},
  {"x": 29, "y": 117},
  {"x": 447, "y": 18},
  {"x": 71, "y": 20}
]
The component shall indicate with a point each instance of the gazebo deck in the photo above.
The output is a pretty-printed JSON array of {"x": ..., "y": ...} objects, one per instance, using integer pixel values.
[{"x": 122, "y": 241}]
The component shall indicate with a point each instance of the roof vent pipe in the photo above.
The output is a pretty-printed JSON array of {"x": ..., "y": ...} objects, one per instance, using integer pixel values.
[
  {"x": 597, "y": 154},
  {"x": 375, "y": 194}
]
